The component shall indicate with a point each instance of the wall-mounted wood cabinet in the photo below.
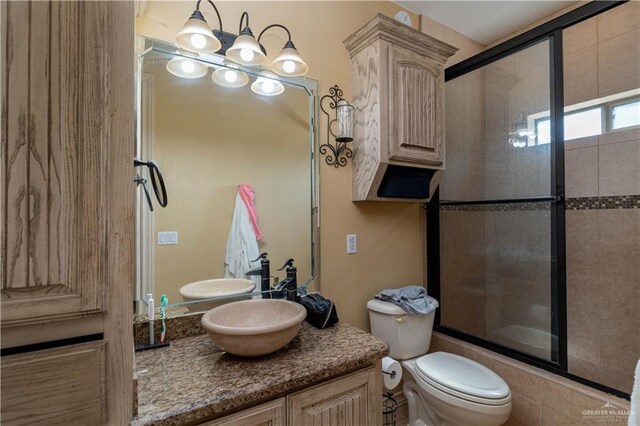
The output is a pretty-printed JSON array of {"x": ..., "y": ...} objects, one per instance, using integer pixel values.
[{"x": 397, "y": 82}]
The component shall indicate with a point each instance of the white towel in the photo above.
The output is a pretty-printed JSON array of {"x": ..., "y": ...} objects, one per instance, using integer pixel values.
[
  {"x": 634, "y": 416},
  {"x": 242, "y": 245}
]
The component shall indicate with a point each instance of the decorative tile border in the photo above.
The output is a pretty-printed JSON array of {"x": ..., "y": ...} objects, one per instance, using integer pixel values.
[
  {"x": 613, "y": 202},
  {"x": 502, "y": 207},
  {"x": 601, "y": 203}
]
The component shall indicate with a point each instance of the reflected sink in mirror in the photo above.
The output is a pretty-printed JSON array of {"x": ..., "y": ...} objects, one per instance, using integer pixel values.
[
  {"x": 220, "y": 287},
  {"x": 254, "y": 327}
]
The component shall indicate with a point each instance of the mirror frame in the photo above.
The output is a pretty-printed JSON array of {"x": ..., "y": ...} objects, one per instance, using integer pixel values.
[{"x": 144, "y": 240}]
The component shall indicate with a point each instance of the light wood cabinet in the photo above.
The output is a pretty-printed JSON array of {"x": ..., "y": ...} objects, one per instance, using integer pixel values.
[
  {"x": 54, "y": 149},
  {"x": 271, "y": 413},
  {"x": 416, "y": 113},
  {"x": 67, "y": 197},
  {"x": 397, "y": 82},
  {"x": 351, "y": 400},
  {"x": 63, "y": 386}
]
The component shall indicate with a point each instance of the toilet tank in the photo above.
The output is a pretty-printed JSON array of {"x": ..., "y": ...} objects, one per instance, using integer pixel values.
[{"x": 408, "y": 336}]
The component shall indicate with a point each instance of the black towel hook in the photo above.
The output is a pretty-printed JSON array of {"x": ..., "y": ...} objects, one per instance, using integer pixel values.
[{"x": 157, "y": 181}]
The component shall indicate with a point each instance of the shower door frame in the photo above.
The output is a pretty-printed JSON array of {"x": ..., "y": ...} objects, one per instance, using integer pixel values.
[{"x": 551, "y": 31}]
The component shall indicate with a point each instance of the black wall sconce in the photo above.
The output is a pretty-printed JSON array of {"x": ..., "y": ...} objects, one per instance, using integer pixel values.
[{"x": 337, "y": 155}]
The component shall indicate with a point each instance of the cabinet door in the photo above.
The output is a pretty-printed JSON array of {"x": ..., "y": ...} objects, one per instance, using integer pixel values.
[
  {"x": 416, "y": 108},
  {"x": 56, "y": 100},
  {"x": 352, "y": 400},
  {"x": 269, "y": 414}
]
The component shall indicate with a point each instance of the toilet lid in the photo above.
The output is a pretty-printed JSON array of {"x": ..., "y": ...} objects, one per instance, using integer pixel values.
[{"x": 463, "y": 376}]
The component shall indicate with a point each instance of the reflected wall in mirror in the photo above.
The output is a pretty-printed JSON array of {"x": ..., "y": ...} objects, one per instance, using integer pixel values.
[{"x": 226, "y": 154}]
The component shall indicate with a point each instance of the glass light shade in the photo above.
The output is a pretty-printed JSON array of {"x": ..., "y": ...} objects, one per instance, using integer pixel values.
[
  {"x": 196, "y": 36},
  {"x": 289, "y": 63},
  {"x": 186, "y": 68},
  {"x": 344, "y": 117},
  {"x": 246, "y": 51},
  {"x": 229, "y": 77},
  {"x": 266, "y": 86}
]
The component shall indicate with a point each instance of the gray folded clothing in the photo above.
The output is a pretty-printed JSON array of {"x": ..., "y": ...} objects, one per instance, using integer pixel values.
[{"x": 413, "y": 299}]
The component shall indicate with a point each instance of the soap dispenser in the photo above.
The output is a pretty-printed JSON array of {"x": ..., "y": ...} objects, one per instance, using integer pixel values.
[
  {"x": 265, "y": 282},
  {"x": 290, "y": 284}
]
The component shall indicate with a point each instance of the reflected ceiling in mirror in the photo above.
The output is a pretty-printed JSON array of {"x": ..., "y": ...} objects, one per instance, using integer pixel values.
[{"x": 235, "y": 148}]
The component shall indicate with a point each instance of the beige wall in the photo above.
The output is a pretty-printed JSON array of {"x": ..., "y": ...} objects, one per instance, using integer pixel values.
[
  {"x": 208, "y": 140},
  {"x": 389, "y": 235},
  {"x": 466, "y": 46}
]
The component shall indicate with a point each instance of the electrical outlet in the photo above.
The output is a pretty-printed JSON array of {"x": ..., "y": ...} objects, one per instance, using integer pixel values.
[
  {"x": 352, "y": 243},
  {"x": 167, "y": 238}
]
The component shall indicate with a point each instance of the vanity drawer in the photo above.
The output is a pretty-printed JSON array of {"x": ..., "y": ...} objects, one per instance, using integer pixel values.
[
  {"x": 64, "y": 385},
  {"x": 271, "y": 413}
]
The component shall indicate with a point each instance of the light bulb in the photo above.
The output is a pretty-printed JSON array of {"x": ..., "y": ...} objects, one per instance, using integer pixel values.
[
  {"x": 188, "y": 66},
  {"x": 289, "y": 66},
  {"x": 230, "y": 76},
  {"x": 246, "y": 55},
  {"x": 198, "y": 41},
  {"x": 268, "y": 86}
]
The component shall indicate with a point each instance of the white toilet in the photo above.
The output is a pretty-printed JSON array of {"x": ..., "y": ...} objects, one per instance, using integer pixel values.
[{"x": 441, "y": 388}]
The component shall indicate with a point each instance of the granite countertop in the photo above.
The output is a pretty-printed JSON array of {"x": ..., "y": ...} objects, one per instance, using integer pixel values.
[{"x": 192, "y": 379}]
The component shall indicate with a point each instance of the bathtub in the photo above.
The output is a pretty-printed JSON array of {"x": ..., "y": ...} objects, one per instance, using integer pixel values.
[{"x": 529, "y": 340}]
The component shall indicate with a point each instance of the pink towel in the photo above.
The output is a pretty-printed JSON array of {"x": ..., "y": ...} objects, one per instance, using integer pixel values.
[{"x": 248, "y": 194}]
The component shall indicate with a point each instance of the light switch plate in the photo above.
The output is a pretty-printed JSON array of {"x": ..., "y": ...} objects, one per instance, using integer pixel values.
[
  {"x": 167, "y": 238},
  {"x": 352, "y": 243}
]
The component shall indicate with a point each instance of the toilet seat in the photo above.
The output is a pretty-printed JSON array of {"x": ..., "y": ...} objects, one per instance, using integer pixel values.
[{"x": 463, "y": 378}]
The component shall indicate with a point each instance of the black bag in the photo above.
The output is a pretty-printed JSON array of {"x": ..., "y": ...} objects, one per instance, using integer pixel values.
[{"x": 321, "y": 312}]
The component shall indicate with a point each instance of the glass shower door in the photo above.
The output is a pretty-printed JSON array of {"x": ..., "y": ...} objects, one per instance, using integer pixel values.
[{"x": 497, "y": 206}]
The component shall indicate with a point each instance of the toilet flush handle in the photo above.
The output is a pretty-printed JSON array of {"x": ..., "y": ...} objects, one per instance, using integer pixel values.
[{"x": 401, "y": 319}]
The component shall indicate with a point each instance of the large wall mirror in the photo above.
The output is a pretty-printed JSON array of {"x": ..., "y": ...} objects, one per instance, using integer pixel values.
[{"x": 235, "y": 150}]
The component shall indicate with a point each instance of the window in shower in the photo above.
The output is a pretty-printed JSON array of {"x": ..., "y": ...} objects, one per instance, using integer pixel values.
[
  {"x": 520, "y": 263},
  {"x": 590, "y": 118}
]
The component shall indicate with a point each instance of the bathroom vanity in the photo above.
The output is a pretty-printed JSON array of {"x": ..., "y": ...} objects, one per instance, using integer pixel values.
[{"x": 332, "y": 374}]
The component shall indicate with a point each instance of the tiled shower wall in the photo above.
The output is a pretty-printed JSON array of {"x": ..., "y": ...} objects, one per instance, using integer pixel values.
[
  {"x": 602, "y": 173},
  {"x": 495, "y": 273}
]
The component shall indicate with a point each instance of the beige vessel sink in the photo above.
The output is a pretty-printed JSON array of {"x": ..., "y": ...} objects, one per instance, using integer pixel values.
[
  {"x": 215, "y": 288},
  {"x": 254, "y": 327}
]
